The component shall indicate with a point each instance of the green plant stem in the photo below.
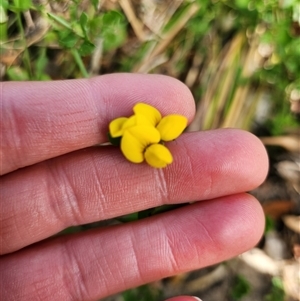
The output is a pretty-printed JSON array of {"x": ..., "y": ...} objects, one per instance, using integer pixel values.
[
  {"x": 26, "y": 57},
  {"x": 3, "y": 24},
  {"x": 3, "y": 32},
  {"x": 79, "y": 63}
]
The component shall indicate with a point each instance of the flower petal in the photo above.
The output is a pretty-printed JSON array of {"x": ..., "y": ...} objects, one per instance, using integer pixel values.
[
  {"x": 157, "y": 155},
  {"x": 171, "y": 126},
  {"x": 145, "y": 134},
  {"x": 130, "y": 122},
  {"x": 116, "y": 127},
  {"x": 132, "y": 148},
  {"x": 135, "y": 120},
  {"x": 151, "y": 113},
  {"x": 136, "y": 139}
]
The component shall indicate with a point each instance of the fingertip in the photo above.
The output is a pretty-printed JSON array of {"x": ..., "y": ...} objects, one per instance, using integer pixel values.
[
  {"x": 256, "y": 217},
  {"x": 247, "y": 222},
  {"x": 255, "y": 150}
]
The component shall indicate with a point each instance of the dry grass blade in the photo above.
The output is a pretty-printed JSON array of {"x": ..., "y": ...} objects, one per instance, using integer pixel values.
[
  {"x": 193, "y": 73},
  {"x": 136, "y": 24},
  {"x": 221, "y": 73},
  {"x": 290, "y": 143},
  {"x": 291, "y": 280},
  {"x": 96, "y": 57},
  {"x": 183, "y": 284},
  {"x": 169, "y": 36},
  {"x": 290, "y": 171},
  {"x": 165, "y": 39},
  {"x": 28, "y": 20},
  {"x": 208, "y": 280},
  {"x": 229, "y": 99},
  {"x": 261, "y": 262},
  {"x": 239, "y": 108},
  {"x": 158, "y": 13},
  {"x": 292, "y": 222}
]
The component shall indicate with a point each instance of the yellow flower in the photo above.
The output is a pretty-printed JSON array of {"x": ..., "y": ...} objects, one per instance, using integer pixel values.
[{"x": 142, "y": 134}]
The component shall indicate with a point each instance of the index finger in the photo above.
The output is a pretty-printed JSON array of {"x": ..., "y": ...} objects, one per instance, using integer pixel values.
[{"x": 42, "y": 120}]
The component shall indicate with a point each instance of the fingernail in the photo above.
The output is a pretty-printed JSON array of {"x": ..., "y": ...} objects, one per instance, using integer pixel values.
[{"x": 196, "y": 298}]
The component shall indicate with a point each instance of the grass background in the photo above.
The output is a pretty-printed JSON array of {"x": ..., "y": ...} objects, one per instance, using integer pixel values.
[{"x": 241, "y": 60}]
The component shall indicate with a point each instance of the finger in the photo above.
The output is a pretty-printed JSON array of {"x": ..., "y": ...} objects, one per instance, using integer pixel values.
[
  {"x": 98, "y": 184},
  {"x": 99, "y": 263},
  {"x": 41, "y": 120}
]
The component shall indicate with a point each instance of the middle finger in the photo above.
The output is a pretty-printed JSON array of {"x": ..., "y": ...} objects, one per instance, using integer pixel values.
[{"x": 98, "y": 183}]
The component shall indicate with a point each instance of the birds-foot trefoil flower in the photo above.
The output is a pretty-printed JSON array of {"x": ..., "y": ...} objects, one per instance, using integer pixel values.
[{"x": 142, "y": 135}]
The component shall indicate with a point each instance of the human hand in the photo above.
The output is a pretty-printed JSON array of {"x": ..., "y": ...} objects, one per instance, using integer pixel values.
[{"x": 53, "y": 178}]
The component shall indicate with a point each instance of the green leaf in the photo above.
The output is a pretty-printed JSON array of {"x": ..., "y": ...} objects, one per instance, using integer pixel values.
[
  {"x": 240, "y": 288},
  {"x": 95, "y": 4},
  {"x": 22, "y": 4},
  {"x": 277, "y": 292},
  {"x": 110, "y": 26},
  {"x": 95, "y": 26},
  {"x": 112, "y": 18},
  {"x": 114, "y": 141},
  {"x": 143, "y": 293},
  {"x": 60, "y": 20},
  {"x": 4, "y": 4},
  {"x": 270, "y": 224},
  {"x": 114, "y": 40},
  {"x": 86, "y": 48},
  {"x": 243, "y": 4},
  {"x": 67, "y": 38},
  {"x": 83, "y": 21},
  {"x": 15, "y": 73},
  {"x": 40, "y": 65},
  {"x": 3, "y": 15},
  {"x": 113, "y": 30}
]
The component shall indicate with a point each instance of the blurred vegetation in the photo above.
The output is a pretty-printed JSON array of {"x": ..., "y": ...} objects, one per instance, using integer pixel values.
[
  {"x": 241, "y": 59},
  {"x": 277, "y": 291},
  {"x": 143, "y": 293},
  {"x": 240, "y": 288}
]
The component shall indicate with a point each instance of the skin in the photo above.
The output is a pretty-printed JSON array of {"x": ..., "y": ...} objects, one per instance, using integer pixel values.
[{"x": 54, "y": 177}]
